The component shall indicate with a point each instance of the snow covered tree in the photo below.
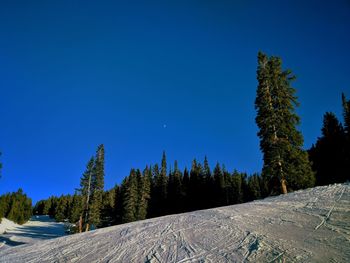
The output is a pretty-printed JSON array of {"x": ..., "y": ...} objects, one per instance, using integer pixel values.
[{"x": 285, "y": 162}]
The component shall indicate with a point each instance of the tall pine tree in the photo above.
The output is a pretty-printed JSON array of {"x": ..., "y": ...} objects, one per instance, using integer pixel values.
[{"x": 285, "y": 162}]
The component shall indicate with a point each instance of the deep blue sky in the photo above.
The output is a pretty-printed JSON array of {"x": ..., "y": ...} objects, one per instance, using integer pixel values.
[{"x": 74, "y": 74}]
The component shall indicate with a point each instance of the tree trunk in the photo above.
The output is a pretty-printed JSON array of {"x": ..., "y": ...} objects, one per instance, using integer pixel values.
[
  {"x": 283, "y": 186},
  {"x": 80, "y": 224},
  {"x": 87, "y": 227}
]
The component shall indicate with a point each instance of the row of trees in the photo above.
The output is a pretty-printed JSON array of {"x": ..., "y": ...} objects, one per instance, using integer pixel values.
[
  {"x": 16, "y": 206},
  {"x": 157, "y": 191},
  {"x": 330, "y": 156}
]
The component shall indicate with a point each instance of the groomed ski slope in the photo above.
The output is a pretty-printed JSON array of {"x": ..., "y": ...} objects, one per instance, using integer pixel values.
[
  {"x": 305, "y": 226},
  {"x": 38, "y": 228}
]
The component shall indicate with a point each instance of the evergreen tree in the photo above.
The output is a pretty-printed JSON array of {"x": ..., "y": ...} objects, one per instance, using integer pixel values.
[
  {"x": 97, "y": 187},
  {"x": 16, "y": 207},
  {"x": 130, "y": 198},
  {"x": 75, "y": 210},
  {"x": 185, "y": 191},
  {"x": 144, "y": 193},
  {"x": 346, "y": 114},
  {"x": 254, "y": 191},
  {"x": 207, "y": 192},
  {"x": 107, "y": 210},
  {"x": 118, "y": 205},
  {"x": 285, "y": 162},
  {"x": 86, "y": 190},
  {"x": 219, "y": 186},
  {"x": 194, "y": 186},
  {"x": 328, "y": 156},
  {"x": 61, "y": 209},
  {"x": 175, "y": 194},
  {"x": 160, "y": 185},
  {"x": 237, "y": 190}
]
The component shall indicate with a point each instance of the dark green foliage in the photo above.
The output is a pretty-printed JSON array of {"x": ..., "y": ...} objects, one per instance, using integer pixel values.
[
  {"x": 108, "y": 199},
  {"x": 346, "y": 115},
  {"x": 144, "y": 193},
  {"x": 219, "y": 186},
  {"x": 130, "y": 198},
  {"x": 175, "y": 192},
  {"x": 329, "y": 155},
  {"x": 92, "y": 184},
  {"x": 159, "y": 188},
  {"x": 75, "y": 208},
  {"x": 16, "y": 206},
  {"x": 254, "y": 191},
  {"x": 97, "y": 188},
  {"x": 280, "y": 141}
]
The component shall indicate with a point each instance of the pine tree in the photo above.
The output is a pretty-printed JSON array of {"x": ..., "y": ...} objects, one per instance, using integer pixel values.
[
  {"x": 75, "y": 210},
  {"x": 285, "y": 162},
  {"x": 130, "y": 198},
  {"x": 86, "y": 190},
  {"x": 207, "y": 191},
  {"x": 144, "y": 194},
  {"x": 328, "y": 156},
  {"x": 97, "y": 187},
  {"x": 237, "y": 189},
  {"x": 107, "y": 210},
  {"x": 219, "y": 186},
  {"x": 61, "y": 208},
  {"x": 159, "y": 189},
  {"x": 118, "y": 205},
  {"x": 346, "y": 115},
  {"x": 254, "y": 191},
  {"x": 175, "y": 194},
  {"x": 163, "y": 181},
  {"x": 185, "y": 190}
]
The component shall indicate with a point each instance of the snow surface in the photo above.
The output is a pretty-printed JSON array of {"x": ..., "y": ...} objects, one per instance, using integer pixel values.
[
  {"x": 305, "y": 226},
  {"x": 38, "y": 228}
]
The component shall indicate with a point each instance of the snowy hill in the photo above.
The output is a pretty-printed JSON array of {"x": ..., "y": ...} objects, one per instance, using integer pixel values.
[
  {"x": 305, "y": 226},
  {"x": 38, "y": 228}
]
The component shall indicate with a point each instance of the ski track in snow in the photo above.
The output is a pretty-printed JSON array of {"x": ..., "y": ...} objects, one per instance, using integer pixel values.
[{"x": 312, "y": 225}]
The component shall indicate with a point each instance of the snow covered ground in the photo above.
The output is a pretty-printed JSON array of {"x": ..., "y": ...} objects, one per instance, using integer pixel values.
[
  {"x": 38, "y": 228},
  {"x": 305, "y": 226}
]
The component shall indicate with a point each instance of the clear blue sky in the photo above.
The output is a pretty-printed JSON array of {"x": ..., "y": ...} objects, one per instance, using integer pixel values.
[{"x": 74, "y": 74}]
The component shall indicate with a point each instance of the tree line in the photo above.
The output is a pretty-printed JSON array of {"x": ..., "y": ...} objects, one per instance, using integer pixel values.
[
  {"x": 16, "y": 206},
  {"x": 330, "y": 156},
  {"x": 157, "y": 190}
]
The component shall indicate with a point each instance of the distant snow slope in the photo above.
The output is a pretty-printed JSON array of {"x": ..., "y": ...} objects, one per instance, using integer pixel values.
[
  {"x": 38, "y": 228},
  {"x": 305, "y": 226}
]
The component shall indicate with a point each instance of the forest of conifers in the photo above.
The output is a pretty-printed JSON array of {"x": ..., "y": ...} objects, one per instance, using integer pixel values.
[{"x": 157, "y": 190}]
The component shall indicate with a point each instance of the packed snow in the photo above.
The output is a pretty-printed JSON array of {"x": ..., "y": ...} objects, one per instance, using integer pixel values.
[
  {"x": 38, "y": 228},
  {"x": 312, "y": 225}
]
